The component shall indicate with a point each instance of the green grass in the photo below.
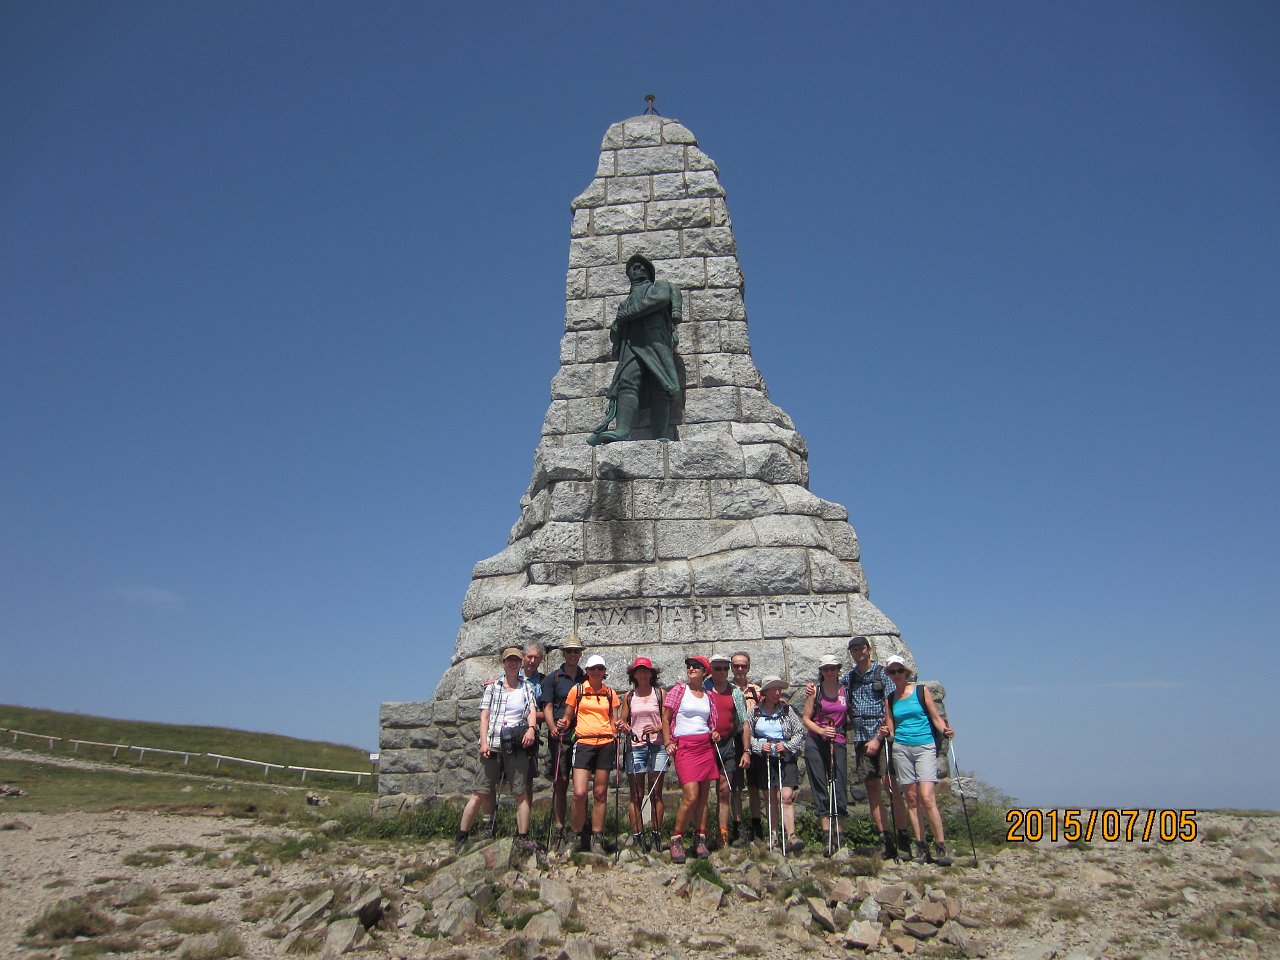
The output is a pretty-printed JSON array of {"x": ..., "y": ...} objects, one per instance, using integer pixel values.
[
  {"x": 68, "y": 920},
  {"x": 270, "y": 747},
  {"x": 53, "y": 789}
]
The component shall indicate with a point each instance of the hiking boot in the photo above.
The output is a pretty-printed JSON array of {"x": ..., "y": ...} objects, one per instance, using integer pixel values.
[
  {"x": 904, "y": 844},
  {"x": 558, "y": 843},
  {"x": 655, "y": 840},
  {"x": 640, "y": 841},
  {"x": 584, "y": 843},
  {"x": 940, "y": 855},
  {"x": 597, "y": 843},
  {"x": 735, "y": 833},
  {"x": 794, "y": 844},
  {"x": 700, "y": 847},
  {"x": 527, "y": 845},
  {"x": 677, "y": 850},
  {"x": 828, "y": 848},
  {"x": 890, "y": 851},
  {"x": 757, "y": 828},
  {"x": 460, "y": 840},
  {"x": 922, "y": 852}
]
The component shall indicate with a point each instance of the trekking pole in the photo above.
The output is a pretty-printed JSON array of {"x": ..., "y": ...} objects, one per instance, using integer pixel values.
[
  {"x": 887, "y": 759},
  {"x": 782, "y": 816},
  {"x": 832, "y": 830},
  {"x": 768, "y": 796},
  {"x": 551, "y": 809},
  {"x": 955, "y": 771},
  {"x": 724, "y": 772},
  {"x": 617, "y": 788}
]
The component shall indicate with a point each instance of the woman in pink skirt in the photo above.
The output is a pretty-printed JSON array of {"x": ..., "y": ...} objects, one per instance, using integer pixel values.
[{"x": 687, "y": 721}]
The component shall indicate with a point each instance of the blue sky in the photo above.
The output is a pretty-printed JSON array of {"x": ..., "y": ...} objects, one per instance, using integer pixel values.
[{"x": 281, "y": 288}]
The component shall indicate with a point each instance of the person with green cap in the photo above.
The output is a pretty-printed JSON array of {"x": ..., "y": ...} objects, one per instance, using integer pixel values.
[{"x": 644, "y": 344}]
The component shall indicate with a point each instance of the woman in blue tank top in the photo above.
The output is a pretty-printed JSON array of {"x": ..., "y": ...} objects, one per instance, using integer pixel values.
[{"x": 910, "y": 717}]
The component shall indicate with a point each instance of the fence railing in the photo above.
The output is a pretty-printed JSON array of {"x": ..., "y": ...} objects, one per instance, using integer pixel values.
[{"x": 186, "y": 755}]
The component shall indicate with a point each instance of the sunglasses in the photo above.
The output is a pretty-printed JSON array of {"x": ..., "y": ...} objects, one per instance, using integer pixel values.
[
  {"x": 694, "y": 666},
  {"x": 595, "y": 668},
  {"x": 720, "y": 669},
  {"x": 742, "y": 666},
  {"x": 896, "y": 670}
]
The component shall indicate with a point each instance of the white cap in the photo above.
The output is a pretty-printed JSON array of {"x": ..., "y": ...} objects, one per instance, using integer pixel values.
[
  {"x": 720, "y": 658},
  {"x": 828, "y": 661},
  {"x": 890, "y": 661},
  {"x": 595, "y": 660}
]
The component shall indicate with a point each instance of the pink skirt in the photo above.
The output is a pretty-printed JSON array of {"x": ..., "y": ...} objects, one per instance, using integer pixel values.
[{"x": 696, "y": 758}]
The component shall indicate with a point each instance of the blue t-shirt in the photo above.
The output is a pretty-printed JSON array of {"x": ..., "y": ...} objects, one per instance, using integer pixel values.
[{"x": 910, "y": 722}]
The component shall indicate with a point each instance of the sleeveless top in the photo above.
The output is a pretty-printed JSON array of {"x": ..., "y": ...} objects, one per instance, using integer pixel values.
[
  {"x": 694, "y": 715},
  {"x": 831, "y": 711},
  {"x": 646, "y": 717},
  {"x": 910, "y": 722}
]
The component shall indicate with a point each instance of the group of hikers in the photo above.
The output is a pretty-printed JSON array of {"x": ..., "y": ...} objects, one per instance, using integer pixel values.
[{"x": 720, "y": 731}]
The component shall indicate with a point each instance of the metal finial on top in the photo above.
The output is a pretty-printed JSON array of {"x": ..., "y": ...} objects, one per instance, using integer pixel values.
[{"x": 651, "y": 109}]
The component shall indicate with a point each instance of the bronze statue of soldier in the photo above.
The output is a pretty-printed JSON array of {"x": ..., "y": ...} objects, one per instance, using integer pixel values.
[{"x": 644, "y": 343}]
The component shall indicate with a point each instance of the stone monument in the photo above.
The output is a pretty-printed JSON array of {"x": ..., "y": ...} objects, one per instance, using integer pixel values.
[{"x": 709, "y": 542}]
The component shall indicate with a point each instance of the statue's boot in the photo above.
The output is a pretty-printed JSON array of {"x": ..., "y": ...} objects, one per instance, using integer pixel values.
[
  {"x": 628, "y": 404},
  {"x": 660, "y": 414}
]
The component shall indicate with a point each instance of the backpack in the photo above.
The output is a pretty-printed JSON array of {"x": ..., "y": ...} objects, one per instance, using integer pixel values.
[
  {"x": 938, "y": 737},
  {"x": 877, "y": 688},
  {"x": 580, "y": 686}
]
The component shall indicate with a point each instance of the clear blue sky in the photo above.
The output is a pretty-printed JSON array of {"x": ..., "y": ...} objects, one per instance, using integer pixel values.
[{"x": 282, "y": 285}]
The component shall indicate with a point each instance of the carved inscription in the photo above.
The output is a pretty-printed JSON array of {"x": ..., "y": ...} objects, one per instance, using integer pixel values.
[{"x": 678, "y": 621}]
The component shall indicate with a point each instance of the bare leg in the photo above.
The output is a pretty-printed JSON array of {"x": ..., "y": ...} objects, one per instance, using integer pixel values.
[
  {"x": 599, "y": 801},
  {"x": 478, "y": 800},
  {"x": 581, "y": 784},
  {"x": 929, "y": 798},
  {"x": 913, "y": 809}
]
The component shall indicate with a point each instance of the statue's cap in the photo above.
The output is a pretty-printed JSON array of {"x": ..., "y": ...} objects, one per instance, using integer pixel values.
[{"x": 641, "y": 259}]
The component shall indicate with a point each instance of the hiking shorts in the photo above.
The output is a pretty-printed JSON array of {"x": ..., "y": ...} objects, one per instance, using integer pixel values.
[
  {"x": 729, "y": 751},
  {"x": 915, "y": 764},
  {"x": 512, "y": 764},
  {"x": 865, "y": 767},
  {"x": 647, "y": 758},
  {"x": 595, "y": 756},
  {"x": 769, "y": 769}
]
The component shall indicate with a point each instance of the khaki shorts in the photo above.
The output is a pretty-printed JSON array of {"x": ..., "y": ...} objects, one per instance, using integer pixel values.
[
  {"x": 915, "y": 764},
  {"x": 513, "y": 764}
]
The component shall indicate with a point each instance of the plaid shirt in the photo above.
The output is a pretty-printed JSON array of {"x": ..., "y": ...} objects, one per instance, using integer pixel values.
[
  {"x": 494, "y": 699},
  {"x": 868, "y": 709}
]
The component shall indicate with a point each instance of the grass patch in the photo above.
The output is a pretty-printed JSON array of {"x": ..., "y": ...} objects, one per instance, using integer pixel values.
[
  {"x": 104, "y": 945},
  {"x": 52, "y": 789},
  {"x": 69, "y": 919},
  {"x": 1216, "y": 834},
  {"x": 429, "y": 821},
  {"x": 145, "y": 859},
  {"x": 574, "y": 925},
  {"x": 703, "y": 869},
  {"x": 259, "y": 908},
  {"x": 1013, "y": 920},
  {"x": 227, "y": 944},
  {"x": 642, "y": 939},
  {"x": 192, "y": 923},
  {"x": 271, "y": 747},
  {"x": 1066, "y": 910}
]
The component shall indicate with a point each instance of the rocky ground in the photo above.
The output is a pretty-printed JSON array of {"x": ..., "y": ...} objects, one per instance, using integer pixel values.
[{"x": 149, "y": 885}]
